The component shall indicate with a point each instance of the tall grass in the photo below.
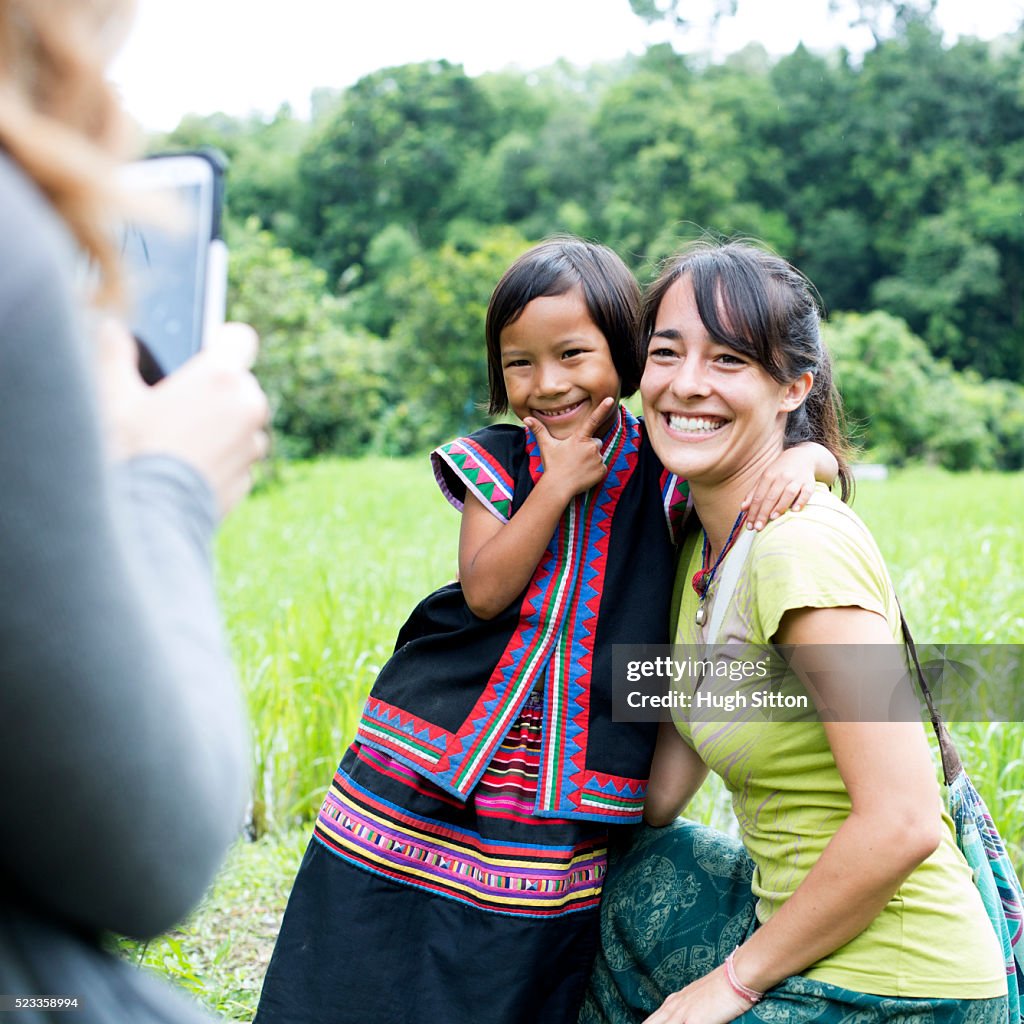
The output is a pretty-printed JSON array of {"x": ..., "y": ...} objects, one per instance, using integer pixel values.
[
  {"x": 319, "y": 571},
  {"x": 955, "y": 549},
  {"x": 954, "y": 544},
  {"x": 317, "y": 574}
]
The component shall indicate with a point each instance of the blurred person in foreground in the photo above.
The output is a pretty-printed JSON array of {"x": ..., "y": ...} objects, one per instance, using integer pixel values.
[{"x": 122, "y": 737}]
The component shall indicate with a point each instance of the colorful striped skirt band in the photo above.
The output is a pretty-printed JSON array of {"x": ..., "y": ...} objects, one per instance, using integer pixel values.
[{"x": 489, "y": 853}]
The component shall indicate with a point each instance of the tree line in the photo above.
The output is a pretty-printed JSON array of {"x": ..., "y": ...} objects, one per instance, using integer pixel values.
[{"x": 367, "y": 239}]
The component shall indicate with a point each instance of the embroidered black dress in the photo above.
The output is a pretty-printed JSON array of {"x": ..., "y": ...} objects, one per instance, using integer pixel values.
[{"x": 457, "y": 861}]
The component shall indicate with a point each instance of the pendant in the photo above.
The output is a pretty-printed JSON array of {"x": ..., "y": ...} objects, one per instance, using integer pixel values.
[
  {"x": 700, "y": 617},
  {"x": 700, "y": 581}
]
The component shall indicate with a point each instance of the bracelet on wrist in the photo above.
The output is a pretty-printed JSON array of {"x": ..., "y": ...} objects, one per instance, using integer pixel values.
[{"x": 751, "y": 995}]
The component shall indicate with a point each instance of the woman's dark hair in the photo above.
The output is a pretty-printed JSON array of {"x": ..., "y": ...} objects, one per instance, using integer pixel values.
[
  {"x": 555, "y": 267},
  {"x": 753, "y": 301}
]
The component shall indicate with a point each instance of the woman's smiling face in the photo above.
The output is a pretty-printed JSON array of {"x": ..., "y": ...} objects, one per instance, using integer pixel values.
[{"x": 711, "y": 411}]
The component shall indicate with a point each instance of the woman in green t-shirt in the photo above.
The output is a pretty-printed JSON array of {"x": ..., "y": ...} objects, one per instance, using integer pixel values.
[{"x": 848, "y": 899}]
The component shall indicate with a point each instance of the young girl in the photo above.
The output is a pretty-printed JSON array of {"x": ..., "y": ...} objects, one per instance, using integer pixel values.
[{"x": 457, "y": 862}]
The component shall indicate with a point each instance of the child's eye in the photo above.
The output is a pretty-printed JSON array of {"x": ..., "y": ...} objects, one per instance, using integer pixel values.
[
  {"x": 569, "y": 353},
  {"x": 512, "y": 363}
]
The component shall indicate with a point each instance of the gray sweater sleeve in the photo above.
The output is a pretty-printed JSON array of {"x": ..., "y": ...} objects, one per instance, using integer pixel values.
[{"x": 122, "y": 741}]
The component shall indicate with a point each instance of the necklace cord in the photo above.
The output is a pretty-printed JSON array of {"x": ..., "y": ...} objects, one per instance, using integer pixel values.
[{"x": 702, "y": 578}]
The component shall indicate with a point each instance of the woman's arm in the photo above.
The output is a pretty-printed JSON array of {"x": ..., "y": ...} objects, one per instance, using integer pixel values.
[
  {"x": 895, "y": 817},
  {"x": 894, "y": 824},
  {"x": 677, "y": 772},
  {"x": 496, "y": 560}
]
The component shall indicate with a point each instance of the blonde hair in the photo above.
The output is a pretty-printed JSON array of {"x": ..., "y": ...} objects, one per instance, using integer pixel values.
[{"x": 61, "y": 120}]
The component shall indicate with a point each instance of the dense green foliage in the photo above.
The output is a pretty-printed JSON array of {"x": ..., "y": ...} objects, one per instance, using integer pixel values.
[
  {"x": 909, "y": 406},
  {"x": 325, "y": 381},
  {"x": 895, "y": 182}
]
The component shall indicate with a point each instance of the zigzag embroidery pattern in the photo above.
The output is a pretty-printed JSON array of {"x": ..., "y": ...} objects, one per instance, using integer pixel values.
[
  {"x": 480, "y": 472},
  {"x": 564, "y": 760},
  {"x": 415, "y": 741},
  {"x": 610, "y": 794},
  {"x": 675, "y": 497},
  {"x": 540, "y": 626}
]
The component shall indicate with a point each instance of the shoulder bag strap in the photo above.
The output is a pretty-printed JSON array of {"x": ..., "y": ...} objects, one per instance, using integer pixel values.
[{"x": 951, "y": 763}]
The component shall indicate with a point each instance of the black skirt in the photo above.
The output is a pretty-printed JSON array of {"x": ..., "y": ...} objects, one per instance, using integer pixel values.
[{"x": 410, "y": 905}]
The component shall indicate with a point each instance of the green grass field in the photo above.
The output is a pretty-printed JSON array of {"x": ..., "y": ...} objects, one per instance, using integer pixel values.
[{"x": 319, "y": 570}]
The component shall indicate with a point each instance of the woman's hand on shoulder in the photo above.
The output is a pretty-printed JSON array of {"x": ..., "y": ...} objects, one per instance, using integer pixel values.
[
  {"x": 788, "y": 483},
  {"x": 708, "y": 1000},
  {"x": 211, "y": 414}
]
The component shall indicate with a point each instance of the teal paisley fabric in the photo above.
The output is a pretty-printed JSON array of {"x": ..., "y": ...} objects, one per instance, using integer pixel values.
[{"x": 677, "y": 901}]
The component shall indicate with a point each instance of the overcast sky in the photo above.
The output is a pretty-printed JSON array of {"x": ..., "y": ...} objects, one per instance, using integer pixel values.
[{"x": 240, "y": 56}]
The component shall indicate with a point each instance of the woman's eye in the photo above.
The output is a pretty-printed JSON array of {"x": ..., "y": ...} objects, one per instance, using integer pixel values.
[
  {"x": 660, "y": 352},
  {"x": 730, "y": 360}
]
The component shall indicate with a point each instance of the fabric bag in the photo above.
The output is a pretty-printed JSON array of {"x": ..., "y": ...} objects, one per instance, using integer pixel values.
[{"x": 982, "y": 847}]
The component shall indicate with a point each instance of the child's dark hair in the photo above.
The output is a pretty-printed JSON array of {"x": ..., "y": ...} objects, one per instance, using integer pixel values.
[
  {"x": 755, "y": 302},
  {"x": 555, "y": 267}
]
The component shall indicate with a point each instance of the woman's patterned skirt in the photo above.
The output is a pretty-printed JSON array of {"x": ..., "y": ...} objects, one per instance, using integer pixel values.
[
  {"x": 410, "y": 905},
  {"x": 678, "y": 901}
]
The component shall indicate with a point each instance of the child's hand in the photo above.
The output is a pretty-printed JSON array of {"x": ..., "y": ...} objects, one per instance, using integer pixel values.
[
  {"x": 786, "y": 484},
  {"x": 573, "y": 464}
]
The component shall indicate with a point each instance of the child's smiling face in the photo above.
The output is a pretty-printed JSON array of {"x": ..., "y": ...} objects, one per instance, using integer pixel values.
[{"x": 557, "y": 366}]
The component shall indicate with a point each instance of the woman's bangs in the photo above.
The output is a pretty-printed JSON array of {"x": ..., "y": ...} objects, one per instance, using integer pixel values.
[{"x": 730, "y": 306}]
